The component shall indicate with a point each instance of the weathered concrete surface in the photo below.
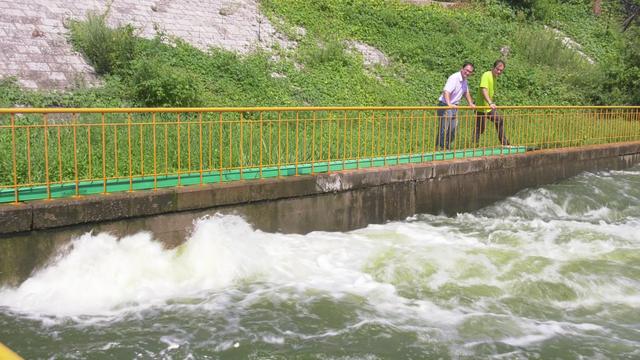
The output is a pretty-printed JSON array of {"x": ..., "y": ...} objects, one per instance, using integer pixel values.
[
  {"x": 334, "y": 202},
  {"x": 33, "y": 35}
]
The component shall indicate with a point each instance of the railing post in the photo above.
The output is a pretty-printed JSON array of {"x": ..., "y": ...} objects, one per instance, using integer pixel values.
[
  {"x": 104, "y": 153},
  {"x": 130, "y": 153},
  {"x": 200, "y": 145},
  {"x": 75, "y": 154},
  {"x": 46, "y": 154},
  {"x": 179, "y": 153},
  {"x": 14, "y": 160}
]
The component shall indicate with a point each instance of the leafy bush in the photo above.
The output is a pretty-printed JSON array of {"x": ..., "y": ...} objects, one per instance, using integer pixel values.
[
  {"x": 543, "y": 47},
  {"x": 10, "y": 92},
  {"x": 621, "y": 74},
  {"x": 157, "y": 83},
  {"x": 106, "y": 49},
  {"x": 324, "y": 53},
  {"x": 535, "y": 9},
  {"x": 631, "y": 78}
]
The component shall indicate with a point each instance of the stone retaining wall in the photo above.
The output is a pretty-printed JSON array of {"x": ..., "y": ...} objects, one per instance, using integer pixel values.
[{"x": 33, "y": 36}]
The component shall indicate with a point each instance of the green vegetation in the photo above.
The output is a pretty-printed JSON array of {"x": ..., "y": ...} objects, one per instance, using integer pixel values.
[
  {"x": 107, "y": 49},
  {"x": 424, "y": 45}
]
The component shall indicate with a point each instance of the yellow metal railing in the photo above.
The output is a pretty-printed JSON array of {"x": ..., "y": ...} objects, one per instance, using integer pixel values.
[
  {"x": 53, "y": 152},
  {"x": 8, "y": 354}
]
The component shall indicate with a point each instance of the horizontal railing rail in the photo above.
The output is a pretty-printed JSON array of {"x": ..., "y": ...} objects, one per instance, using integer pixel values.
[{"x": 58, "y": 152}]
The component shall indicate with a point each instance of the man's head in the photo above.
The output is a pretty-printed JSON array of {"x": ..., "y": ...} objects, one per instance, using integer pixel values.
[
  {"x": 498, "y": 68},
  {"x": 467, "y": 70}
]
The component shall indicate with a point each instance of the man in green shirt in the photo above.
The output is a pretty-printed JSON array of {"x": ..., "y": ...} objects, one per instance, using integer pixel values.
[{"x": 485, "y": 98}]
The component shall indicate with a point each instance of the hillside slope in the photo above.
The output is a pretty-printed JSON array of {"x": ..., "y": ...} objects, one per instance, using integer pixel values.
[
  {"x": 344, "y": 52},
  {"x": 33, "y": 44}
]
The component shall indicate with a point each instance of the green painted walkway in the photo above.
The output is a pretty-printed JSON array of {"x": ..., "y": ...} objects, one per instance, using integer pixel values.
[{"x": 68, "y": 189}]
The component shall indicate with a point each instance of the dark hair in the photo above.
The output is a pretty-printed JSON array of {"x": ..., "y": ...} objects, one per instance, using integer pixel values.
[
  {"x": 498, "y": 62},
  {"x": 467, "y": 63}
]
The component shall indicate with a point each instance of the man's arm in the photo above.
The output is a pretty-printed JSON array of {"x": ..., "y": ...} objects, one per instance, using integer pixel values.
[
  {"x": 467, "y": 94},
  {"x": 447, "y": 99},
  {"x": 485, "y": 93}
]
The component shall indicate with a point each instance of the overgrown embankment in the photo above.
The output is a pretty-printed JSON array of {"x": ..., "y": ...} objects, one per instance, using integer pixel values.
[{"x": 420, "y": 46}]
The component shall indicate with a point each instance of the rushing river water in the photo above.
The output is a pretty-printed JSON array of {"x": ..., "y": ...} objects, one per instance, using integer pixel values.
[{"x": 552, "y": 272}]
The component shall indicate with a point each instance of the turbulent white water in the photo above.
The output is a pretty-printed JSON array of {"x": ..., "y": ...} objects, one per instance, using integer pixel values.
[{"x": 554, "y": 267}]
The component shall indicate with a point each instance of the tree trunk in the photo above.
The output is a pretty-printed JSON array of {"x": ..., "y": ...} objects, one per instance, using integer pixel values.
[{"x": 597, "y": 7}]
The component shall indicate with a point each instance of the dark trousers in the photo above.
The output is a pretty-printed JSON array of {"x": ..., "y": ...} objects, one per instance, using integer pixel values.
[
  {"x": 448, "y": 121},
  {"x": 498, "y": 121}
]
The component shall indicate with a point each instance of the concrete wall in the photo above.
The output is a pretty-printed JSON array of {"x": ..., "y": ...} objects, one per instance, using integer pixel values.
[{"x": 30, "y": 233}]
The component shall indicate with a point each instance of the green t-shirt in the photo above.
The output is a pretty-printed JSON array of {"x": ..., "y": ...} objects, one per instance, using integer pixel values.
[{"x": 486, "y": 81}]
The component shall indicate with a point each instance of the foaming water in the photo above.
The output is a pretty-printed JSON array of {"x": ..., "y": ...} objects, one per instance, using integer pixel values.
[
  {"x": 101, "y": 274},
  {"x": 551, "y": 272}
]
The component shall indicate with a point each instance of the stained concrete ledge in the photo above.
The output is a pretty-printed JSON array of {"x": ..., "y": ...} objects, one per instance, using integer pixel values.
[{"x": 543, "y": 167}]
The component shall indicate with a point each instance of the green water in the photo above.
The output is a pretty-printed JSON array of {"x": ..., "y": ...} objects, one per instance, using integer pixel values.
[{"x": 551, "y": 273}]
